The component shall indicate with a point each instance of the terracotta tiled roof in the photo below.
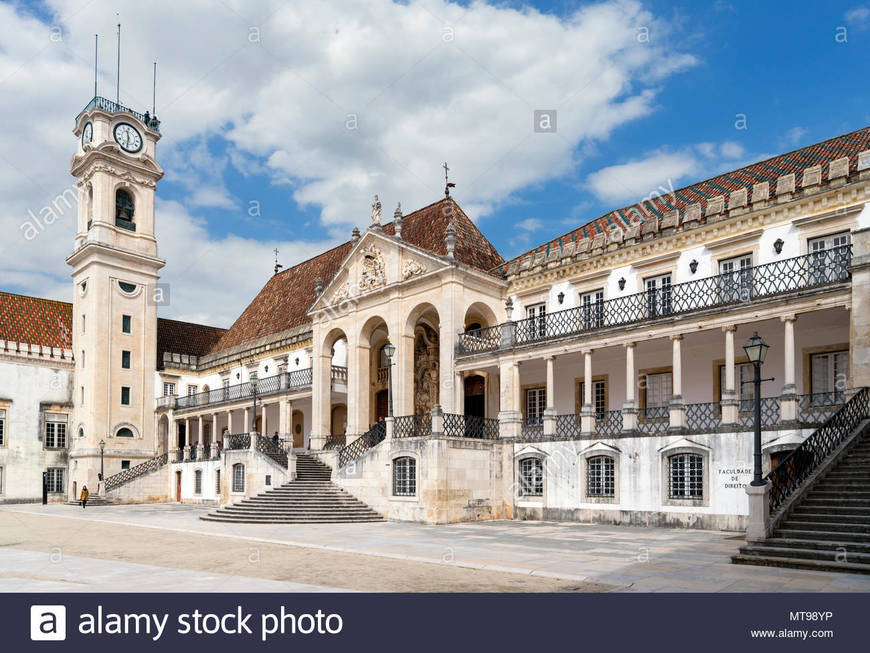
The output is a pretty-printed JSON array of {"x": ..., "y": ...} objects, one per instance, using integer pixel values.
[
  {"x": 185, "y": 338},
  {"x": 792, "y": 162},
  {"x": 284, "y": 301},
  {"x": 35, "y": 321}
]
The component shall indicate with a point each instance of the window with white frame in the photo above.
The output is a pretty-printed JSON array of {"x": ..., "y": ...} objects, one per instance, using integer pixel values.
[
  {"x": 829, "y": 372},
  {"x": 659, "y": 389},
  {"x": 536, "y": 402},
  {"x": 686, "y": 476},
  {"x": 238, "y": 477},
  {"x": 191, "y": 390},
  {"x": 735, "y": 279},
  {"x": 742, "y": 382},
  {"x": 658, "y": 295},
  {"x": 600, "y": 476},
  {"x": 537, "y": 316},
  {"x": 531, "y": 477},
  {"x": 55, "y": 431},
  {"x": 2, "y": 427},
  {"x": 197, "y": 482},
  {"x": 54, "y": 480},
  {"x": 829, "y": 257},
  {"x": 405, "y": 477},
  {"x": 599, "y": 396},
  {"x": 592, "y": 309},
  {"x": 168, "y": 389}
]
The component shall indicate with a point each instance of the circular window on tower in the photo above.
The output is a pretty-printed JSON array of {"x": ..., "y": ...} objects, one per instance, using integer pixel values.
[{"x": 127, "y": 287}]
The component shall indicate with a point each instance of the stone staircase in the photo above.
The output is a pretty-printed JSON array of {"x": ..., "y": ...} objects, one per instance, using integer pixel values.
[
  {"x": 311, "y": 499},
  {"x": 93, "y": 500},
  {"x": 829, "y": 527}
]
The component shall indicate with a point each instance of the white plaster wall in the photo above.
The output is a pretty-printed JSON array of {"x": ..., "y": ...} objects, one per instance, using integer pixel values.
[{"x": 188, "y": 470}]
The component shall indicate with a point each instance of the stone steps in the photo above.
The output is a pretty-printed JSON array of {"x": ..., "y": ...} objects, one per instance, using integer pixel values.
[
  {"x": 311, "y": 499},
  {"x": 93, "y": 500}
]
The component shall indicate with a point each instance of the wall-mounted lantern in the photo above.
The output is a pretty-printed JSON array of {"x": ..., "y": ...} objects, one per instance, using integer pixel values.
[
  {"x": 622, "y": 283},
  {"x": 777, "y": 245},
  {"x": 561, "y": 297},
  {"x": 693, "y": 266}
]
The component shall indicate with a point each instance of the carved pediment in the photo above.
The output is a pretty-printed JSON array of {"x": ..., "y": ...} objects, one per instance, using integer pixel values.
[
  {"x": 412, "y": 268},
  {"x": 372, "y": 269}
]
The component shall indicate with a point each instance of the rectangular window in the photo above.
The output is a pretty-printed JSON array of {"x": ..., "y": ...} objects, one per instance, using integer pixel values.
[
  {"x": 659, "y": 389},
  {"x": 217, "y": 482},
  {"x": 125, "y": 464},
  {"x": 54, "y": 480},
  {"x": 55, "y": 431},
  {"x": 735, "y": 279},
  {"x": 238, "y": 477},
  {"x": 197, "y": 482},
  {"x": 191, "y": 390},
  {"x": 125, "y": 359},
  {"x": 599, "y": 396},
  {"x": 126, "y": 324},
  {"x": 536, "y": 402},
  {"x": 829, "y": 372},
  {"x": 592, "y": 308},
  {"x": 829, "y": 258},
  {"x": 125, "y": 395},
  {"x": 2, "y": 428},
  {"x": 658, "y": 295},
  {"x": 531, "y": 477},
  {"x": 600, "y": 477},
  {"x": 686, "y": 476},
  {"x": 168, "y": 389},
  {"x": 742, "y": 382},
  {"x": 537, "y": 316}
]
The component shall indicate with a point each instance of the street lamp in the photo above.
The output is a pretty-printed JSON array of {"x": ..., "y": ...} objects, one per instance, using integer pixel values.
[
  {"x": 756, "y": 350},
  {"x": 102, "y": 450},
  {"x": 389, "y": 350}
]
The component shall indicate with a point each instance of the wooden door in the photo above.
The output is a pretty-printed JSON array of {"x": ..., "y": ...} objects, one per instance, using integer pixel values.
[
  {"x": 178, "y": 486},
  {"x": 382, "y": 401},
  {"x": 298, "y": 421}
]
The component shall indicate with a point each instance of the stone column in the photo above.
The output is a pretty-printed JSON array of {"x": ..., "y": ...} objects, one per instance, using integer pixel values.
[
  {"x": 587, "y": 412},
  {"x": 285, "y": 416},
  {"x": 447, "y": 330},
  {"x": 510, "y": 413},
  {"x": 460, "y": 393},
  {"x": 321, "y": 397},
  {"x": 247, "y": 419},
  {"x": 730, "y": 402},
  {"x": 230, "y": 421},
  {"x": 403, "y": 376},
  {"x": 859, "y": 318},
  {"x": 264, "y": 429},
  {"x": 215, "y": 436},
  {"x": 757, "y": 526},
  {"x": 358, "y": 389},
  {"x": 390, "y": 423},
  {"x": 788, "y": 399},
  {"x": 550, "y": 410},
  {"x": 677, "y": 407},
  {"x": 629, "y": 408},
  {"x": 437, "y": 420}
]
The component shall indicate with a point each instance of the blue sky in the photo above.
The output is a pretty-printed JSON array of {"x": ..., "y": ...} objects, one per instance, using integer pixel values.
[{"x": 254, "y": 97}]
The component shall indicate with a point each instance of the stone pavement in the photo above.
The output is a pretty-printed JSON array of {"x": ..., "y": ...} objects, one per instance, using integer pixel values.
[{"x": 633, "y": 559}]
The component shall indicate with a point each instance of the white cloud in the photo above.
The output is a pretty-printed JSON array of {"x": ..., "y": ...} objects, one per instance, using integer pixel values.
[
  {"x": 662, "y": 171},
  {"x": 794, "y": 136},
  {"x": 859, "y": 15},
  {"x": 426, "y": 80}
]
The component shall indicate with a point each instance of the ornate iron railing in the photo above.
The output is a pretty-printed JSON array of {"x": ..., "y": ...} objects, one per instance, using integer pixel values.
[
  {"x": 192, "y": 454},
  {"x": 285, "y": 382},
  {"x": 239, "y": 441},
  {"x": 362, "y": 444},
  {"x": 412, "y": 426},
  {"x": 704, "y": 417},
  {"x": 818, "y": 408},
  {"x": 470, "y": 426},
  {"x": 112, "y": 107},
  {"x": 569, "y": 427},
  {"x": 730, "y": 289},
  {"x": 383, "y": 374},
  {"x": 653, "y": 420},
  {"x": 268, "y": 447},
  {"x": 335, "y": 442},
  {"x": 608, "y": 423},
  {"x": 795, "y": 468},
  {"x": 533, "y": 428},
  {"x": 119, "y": 479},
  {"x": 770, "y": 412}
]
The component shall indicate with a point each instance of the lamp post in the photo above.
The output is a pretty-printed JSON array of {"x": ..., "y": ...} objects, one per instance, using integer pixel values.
[
  {"x": 102, "y": 451},
  {"x": 253, "y": 379},
  {"x": 389, "y": 350},
  {"x": 756, "y": 350}
]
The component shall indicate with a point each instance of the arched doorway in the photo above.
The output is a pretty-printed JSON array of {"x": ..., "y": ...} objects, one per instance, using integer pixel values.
[
  {"x": 475, "y": 395},
  {"x": 339, "y": 419}
]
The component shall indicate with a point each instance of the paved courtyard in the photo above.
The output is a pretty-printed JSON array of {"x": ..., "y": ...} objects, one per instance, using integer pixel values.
[{"x": 481, "y": 556}]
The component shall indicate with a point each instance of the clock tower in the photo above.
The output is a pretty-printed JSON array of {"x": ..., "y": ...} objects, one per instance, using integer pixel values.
[{"x": 115, "y": 271}]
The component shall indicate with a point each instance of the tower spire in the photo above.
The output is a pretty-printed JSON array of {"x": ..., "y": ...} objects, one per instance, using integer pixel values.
[
  {"x": 447, "y": 184},
  {"x": 278, "y": 266}
]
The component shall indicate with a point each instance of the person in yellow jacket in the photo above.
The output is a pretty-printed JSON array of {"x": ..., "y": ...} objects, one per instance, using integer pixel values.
[{"x": 84, "y": 495}]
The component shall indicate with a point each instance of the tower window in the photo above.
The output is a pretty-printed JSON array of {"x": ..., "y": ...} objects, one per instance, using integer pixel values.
[
  {"x": 124, "y": 210},
  {"x": 125, "y": 396},
  {"x": 125, "y": 360},
  {"x": 124, "y": 433},
  {"x": 127, "y": 287},
  {"x": 126, "y": 324}
]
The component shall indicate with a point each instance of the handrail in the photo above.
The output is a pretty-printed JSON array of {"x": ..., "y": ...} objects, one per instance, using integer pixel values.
[
  {"x": 734, "y": 288},
  {"x": 795, "y": 468},
  {"x": 127, "y": 475},
  {"x": 113, "y": 107},
  {"x": 413, "y": 426},
  {"x": 284, "y": 382},
  {"x": 362, "y": 444}
]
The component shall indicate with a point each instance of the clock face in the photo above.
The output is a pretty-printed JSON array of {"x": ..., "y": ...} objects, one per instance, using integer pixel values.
[
  {"x": 88, "y": 133},
  {"x": 127, "y": 137}
]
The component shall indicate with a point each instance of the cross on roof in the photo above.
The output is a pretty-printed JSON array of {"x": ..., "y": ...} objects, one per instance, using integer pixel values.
[{"x": 447, "y": 184}]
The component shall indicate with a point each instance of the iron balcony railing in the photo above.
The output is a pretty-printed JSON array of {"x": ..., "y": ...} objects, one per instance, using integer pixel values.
[
  {"x": 239, "y": 441},
  {"x": 362, "y": 444},
  {"x": 654, "y": 420},
  {"x": 532, "y": 428},
  {"x": 800, "y": 464},
  {"x": 335, "y": 442},
  {"x": 704, "y": 417},
  {"x": 730, "y": 289},
  {"x": 770, "y": 413},
  {"x": 412, "y": 426},
  {"x": 113, "y": 107},
  {"x": 119, "y": 479},
  {"x": 818, "y": 408},
  {"x": 268, "y": 447},
  {"x": 470, "y": 426},
  {"x": 284, "y": 382}
]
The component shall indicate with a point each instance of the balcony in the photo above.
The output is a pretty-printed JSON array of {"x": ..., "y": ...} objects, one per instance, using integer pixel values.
[
  {"x": 113, "y": 107},
  {"x": 815, "y": 270},
  {"x": 294, "y": 381}
]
